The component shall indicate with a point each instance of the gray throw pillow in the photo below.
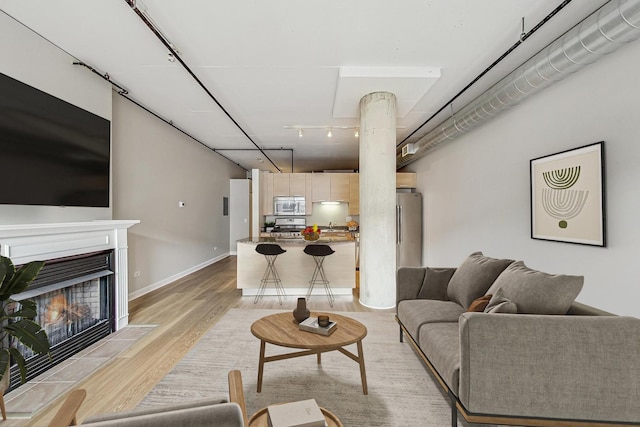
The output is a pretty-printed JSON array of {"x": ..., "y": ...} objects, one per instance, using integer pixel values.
[
  {"x": 435, "y": 283},
  {"x": 536, "y": 292},
  {"x": 472, "y": 279},
  {"x": 500, "y": 304}
]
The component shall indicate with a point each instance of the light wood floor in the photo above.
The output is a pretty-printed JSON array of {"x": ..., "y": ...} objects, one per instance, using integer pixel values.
[{"x": 183, "y": 311}]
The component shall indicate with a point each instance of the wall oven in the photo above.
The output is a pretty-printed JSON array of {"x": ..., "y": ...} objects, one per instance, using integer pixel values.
[{"x": 288, "y": 206}]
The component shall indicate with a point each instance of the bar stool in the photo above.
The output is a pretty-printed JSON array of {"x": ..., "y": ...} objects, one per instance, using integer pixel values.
[
  {"x": 319, "y": 252},
  {"x": 270, "y": 252}
]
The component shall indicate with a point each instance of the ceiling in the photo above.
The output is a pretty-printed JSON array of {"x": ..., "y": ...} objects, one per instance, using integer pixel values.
[{"x": 279, "y": 65}]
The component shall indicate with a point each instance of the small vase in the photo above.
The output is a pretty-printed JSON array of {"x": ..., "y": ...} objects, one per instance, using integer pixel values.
[{"x": 301, "y": 312}]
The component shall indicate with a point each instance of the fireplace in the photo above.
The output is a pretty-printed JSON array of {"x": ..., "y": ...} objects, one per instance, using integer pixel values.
[
  {"x": 83, "y": 287},
  {"x": 74, "y": 297}
]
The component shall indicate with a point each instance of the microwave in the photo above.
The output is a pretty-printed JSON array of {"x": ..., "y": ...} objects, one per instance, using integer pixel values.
[{"x": 289, "y": 205}]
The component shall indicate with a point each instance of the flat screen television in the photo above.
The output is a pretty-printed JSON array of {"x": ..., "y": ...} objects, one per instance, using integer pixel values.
[{"x": 51, "y": 152}]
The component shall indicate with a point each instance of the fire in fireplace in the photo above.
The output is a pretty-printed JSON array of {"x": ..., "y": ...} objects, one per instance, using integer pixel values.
[{"x": 74, "y": 299}]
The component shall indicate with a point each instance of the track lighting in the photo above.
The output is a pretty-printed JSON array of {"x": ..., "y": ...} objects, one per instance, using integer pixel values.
[{"x": 329, "y": 129}]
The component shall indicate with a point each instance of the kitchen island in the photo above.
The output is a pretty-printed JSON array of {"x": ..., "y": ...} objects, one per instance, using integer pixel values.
[{"x": 296, "y": 267}]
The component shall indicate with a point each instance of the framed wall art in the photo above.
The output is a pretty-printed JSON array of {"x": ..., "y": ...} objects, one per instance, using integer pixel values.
[{"x": 567, "y": 196}]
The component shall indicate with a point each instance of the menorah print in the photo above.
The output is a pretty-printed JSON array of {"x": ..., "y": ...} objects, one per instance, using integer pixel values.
[{"x": 558, "y": 200}]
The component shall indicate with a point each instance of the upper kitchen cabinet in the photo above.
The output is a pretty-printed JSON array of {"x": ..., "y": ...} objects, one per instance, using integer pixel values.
[
  {"x": 339, "y": 187},
  {"x": 330, "y": 187},
  {"x": 289, "y": 184},
  {"x": 297, "y": 184},
  {"x": 406, "y": 180},
  {"x": 321, "y": 187},
  {"x": 308, "y": 195},
  {"x": 280, "y": 184},
  {"x": 354, "y": 194}
]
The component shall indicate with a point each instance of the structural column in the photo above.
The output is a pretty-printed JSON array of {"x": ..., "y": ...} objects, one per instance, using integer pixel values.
[{"x": 378, "y": 200}]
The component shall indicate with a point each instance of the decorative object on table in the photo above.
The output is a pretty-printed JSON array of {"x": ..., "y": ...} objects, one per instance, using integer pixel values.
[
  {"x": 301, "y": 311},
  {"x": 305, "y": 413},
  {"x": 311, "y": 324},
  {"x": 567, "y": 196},
  {"x": 311, "y": 232},
  {"x": 323, "y": 321},
  {"x": 17, "y": 321}
]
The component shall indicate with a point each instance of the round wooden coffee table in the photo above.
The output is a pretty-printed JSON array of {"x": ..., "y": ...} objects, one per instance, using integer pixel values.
[
  {"x": 282, "y": 330},
  {"x": 260, "y": 419}
]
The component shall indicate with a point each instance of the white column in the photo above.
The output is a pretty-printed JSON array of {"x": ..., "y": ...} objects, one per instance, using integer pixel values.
[{"x": 378, "y": 200}]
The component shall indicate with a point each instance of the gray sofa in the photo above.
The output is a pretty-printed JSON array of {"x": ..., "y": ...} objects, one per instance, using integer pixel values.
[{"x": 528, "y": 354}]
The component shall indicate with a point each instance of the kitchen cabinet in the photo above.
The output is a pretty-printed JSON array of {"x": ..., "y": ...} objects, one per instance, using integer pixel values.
[
  {"x": 266, "y": 193},
  {"x": 289, "y": 184},
  {"x": 280, "y": 184},
  {"x": 406, "y": 180},
  {"x": 321, "y": 187},
  {"x": 354, "y": 194},
  {"x": 297, "y": 184},
  {"x": 339, "y": 187},
  {"x": 308, "y": 195}
]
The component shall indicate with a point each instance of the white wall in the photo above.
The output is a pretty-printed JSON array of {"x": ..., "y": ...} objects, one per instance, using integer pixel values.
[
  {"x": 154, "y": 168},
  {"x": 33, "y": 60},
  {"x": 476, "y": 188}
]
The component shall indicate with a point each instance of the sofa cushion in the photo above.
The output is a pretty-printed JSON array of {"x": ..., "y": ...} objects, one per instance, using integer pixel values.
[
  {"x": 440, "y": 342},
  {"x": 436, "y": 281},
  {"x": 498, "y": 303},
  {"x": 472, "y": 279},
  {"x": 415, "y": 313},
  {"x": 479, "y": 304},
  {"x": 535, "y": 292}
]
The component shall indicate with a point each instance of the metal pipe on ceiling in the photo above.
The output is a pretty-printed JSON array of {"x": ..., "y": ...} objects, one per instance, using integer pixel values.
[
  {"x": 265, "y": 149},
  {"x": 604, "y": 31},
  {"x": 148, "y": 22},
  {"x": 524, "y": 36},
  {"x": 124, "y": 92}
]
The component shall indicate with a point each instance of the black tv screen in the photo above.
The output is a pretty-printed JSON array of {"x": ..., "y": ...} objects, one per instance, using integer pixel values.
[{"x": 51, "y": 152}]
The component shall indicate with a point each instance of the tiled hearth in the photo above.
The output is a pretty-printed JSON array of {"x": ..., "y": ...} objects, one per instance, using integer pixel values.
[{"x": 28, "y": 399}]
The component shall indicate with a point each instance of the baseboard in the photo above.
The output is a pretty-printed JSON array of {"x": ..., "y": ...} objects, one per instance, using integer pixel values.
[{"x": 152, "y": 287}]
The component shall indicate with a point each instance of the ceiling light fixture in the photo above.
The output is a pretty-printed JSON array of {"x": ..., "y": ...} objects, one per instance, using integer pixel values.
[{"x": 329, "y": 129}]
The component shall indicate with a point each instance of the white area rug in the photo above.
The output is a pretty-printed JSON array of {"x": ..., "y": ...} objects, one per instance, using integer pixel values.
[{"x": 402, "y": 392}]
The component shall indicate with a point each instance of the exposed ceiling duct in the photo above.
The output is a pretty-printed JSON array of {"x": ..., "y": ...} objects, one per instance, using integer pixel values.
[{"x": 614, "y": 24}]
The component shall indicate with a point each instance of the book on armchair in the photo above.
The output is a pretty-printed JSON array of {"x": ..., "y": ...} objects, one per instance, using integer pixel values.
[{"x": 305, "y": 413}]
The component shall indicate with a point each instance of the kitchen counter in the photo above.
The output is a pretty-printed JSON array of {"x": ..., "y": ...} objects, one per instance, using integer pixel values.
[{"x": 296, "y": 267}]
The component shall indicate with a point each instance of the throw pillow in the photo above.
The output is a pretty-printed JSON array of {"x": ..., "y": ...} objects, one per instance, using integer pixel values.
[
  {"x": 435, "y": 283},
  {"x": 479, "y": 304},
  {"x": 472, "y": 279},
  {"x": 536, "y": 292},
  {"x": 500, "y": 304}
]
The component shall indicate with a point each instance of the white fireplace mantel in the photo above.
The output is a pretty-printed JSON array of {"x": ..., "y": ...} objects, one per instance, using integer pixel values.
[{"x": 41, "y": 242}]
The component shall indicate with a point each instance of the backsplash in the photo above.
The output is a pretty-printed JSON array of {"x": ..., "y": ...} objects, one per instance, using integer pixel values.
[{"x": 323, "y": 214}]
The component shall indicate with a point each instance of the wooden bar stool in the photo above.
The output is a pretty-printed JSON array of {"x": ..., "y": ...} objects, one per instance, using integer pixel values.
[
  {"x": 270, "y": 252},
  {"x": 319, "y": 252}
]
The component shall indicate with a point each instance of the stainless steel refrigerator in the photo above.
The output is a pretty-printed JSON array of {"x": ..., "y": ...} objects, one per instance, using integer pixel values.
[{"x": 408, "y": 230}]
